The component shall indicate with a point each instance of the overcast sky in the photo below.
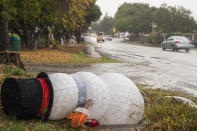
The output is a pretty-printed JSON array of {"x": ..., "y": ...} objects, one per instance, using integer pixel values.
[{"x": 111, "y": 6}]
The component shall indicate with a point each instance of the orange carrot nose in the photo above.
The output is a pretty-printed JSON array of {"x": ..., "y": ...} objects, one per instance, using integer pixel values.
[{"x": 78, "y": 119}]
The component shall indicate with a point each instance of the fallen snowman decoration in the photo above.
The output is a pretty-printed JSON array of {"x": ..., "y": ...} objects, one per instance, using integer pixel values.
[{"x": 115, "y": 98}]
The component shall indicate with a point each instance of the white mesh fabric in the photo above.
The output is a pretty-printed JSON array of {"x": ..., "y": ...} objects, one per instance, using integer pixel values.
[
  {"x": 65, "y": 95},
  {"x": 97, "y": 91},
  {"x": 127, "y": 104},
  {"x": 82, "y": 110}
]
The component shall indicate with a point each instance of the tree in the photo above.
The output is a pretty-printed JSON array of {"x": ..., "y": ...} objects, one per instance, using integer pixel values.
[
  {"x": 106, "y": 25},
  {"x": 32, "y": 16},
  {"x": 78, "y": 18},
  {"x": 7, "y": 11},
  {"x": 134, "y": 18},
  {"x": 173, "y": 19},
  {"x": 96, "y": 27},
  {"x": 29, "y": 18},
  {"x": 92, "y": 14}
]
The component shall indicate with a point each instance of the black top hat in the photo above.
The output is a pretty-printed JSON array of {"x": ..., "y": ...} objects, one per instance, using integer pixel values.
[{"x": 22, "y": 98}]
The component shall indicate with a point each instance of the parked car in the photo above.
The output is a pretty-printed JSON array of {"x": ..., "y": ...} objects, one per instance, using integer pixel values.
[
  {"x": 109, "y": 38},
  {"x": 176, "y": 43},
  {"x": 127, "y": 37}
]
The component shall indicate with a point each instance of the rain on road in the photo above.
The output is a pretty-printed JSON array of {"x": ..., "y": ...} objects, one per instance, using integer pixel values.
[{"x": 142, "y": 64}]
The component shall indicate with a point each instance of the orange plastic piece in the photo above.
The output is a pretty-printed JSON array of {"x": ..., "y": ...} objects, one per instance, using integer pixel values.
[
  {"x": 78, "y": 119},
  {"x": 70, "y": 116}
]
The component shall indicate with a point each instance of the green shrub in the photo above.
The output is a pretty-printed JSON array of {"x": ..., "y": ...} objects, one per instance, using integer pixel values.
[{"x": 155, "y": 38}]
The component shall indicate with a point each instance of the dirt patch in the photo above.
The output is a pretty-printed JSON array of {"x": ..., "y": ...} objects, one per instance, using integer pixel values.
[
  {"x": 45, "y": 56},
  {"x": 62, "y": 55},
  {"x": 52, "y": 55}
]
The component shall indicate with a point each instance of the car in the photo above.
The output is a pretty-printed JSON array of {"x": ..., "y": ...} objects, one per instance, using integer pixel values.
[
  {"x": 109, "y": 38},
  {"x": 176, "y": 43},
  {"x": 127, "y": 37},
  {"x": 100, "y": 37},
  {"x": 93, "y": 35}
]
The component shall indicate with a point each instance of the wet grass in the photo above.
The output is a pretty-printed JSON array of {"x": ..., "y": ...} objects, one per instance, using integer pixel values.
[
  {"x": 80, "y": 58},
  {"x": 166, "y": 114},
  {"x": 15, "y": 71},
  {"x": 36, "y": 125}
]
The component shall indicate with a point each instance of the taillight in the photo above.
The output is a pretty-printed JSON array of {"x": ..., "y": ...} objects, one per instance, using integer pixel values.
[{"x": 178, "y": 42}]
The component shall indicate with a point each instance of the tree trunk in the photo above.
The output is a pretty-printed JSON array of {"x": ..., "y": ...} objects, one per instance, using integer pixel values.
[
  {"x": 26, "y": 36},
  {"x": 4, "y": 38},
  {"x": 35, "y": 41},
  {"x": 30, "y": 46},
  {"x": 7, "y": 57},
  {"x": 35, "y": 38},
  {"x": 78, "y": 37},
  {"x": 67, "y": 38},
  {"x": 47, "y": 40}
]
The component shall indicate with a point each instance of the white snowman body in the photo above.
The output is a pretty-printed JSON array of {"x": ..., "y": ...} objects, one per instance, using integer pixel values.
[
  {"x": 127, "y": 104},
  {"x": 65, "y": 95},
  {"x": 97, "y": 90},
  {"x": 116, "y": 99}
]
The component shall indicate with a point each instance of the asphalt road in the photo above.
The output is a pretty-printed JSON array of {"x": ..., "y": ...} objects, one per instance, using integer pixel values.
[
  {"x": 142, "y": 64},
  {"x": 157, "y": 68}
]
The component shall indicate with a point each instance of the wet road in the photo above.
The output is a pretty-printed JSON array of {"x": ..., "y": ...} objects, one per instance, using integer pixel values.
[
  {"x": 144, "y": 65},
  {"x": 157, "y": 68}
]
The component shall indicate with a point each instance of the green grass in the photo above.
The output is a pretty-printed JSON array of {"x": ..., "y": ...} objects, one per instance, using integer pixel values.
[
  {"x": 41, "y": 127},
  {"x": 141, "y": 85},
  {"x": 164, "y": 114},
  {"x": 36, "y": 125},
  {"x": 22, "y": 126},
  {"x": 14, "y": 127},
  {"x": 10, "y": 70},
  {"x": 80, "y": 58}
]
